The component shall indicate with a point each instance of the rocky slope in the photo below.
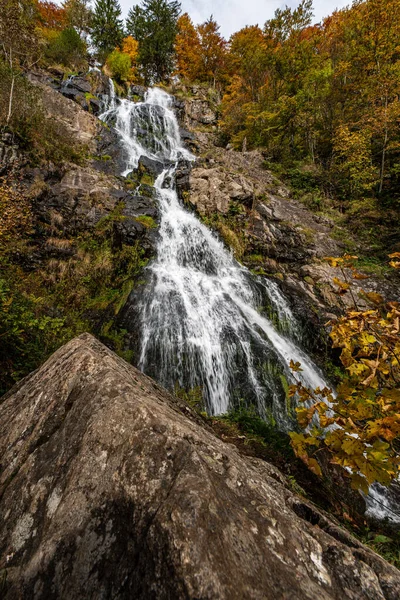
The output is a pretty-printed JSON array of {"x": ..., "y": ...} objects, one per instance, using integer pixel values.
[
  {"x": 112, "y": 488},
  {"x": 268, "y": 229}
]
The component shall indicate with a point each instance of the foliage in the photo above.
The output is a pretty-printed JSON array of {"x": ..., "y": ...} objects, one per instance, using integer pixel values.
[
  {"x": 131, "y": 47},
  {"x": 66, "y": 48},
  {"x": 360, "y": 426},
  {"x": 41, "y": 137},
  {"x": 19, "y": 41},
  {"x": 122, "y": 63},
  {"x": 187, "y": 49},
  {"x": 249, "y": 422},
  {"x": 212, "y": 52},
  {"x": 80, "y": 287},
  {"x": 200, "y": 51},
  {"x": 147, "y": 221},
  {"x": 107, "y": 27},
  {"x": 325, "y": 94},
  {"x": 154, "y": 25},
  {"x": 78, "y": 15},
  {"x": 120, "y": 66},
  {"x": 51, "y": 15}
]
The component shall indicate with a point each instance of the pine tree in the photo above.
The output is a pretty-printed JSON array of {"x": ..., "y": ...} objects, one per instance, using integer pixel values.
[
  {"x": 107, "y": 28},
  {"x": 154, "y": 26}
]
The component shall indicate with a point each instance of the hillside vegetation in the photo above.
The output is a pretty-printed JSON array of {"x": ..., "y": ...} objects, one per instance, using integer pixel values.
[{"x": 321, "y": 102}]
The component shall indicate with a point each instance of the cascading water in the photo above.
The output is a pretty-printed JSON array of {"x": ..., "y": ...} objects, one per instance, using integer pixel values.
[{"x": 201, "y": 316}]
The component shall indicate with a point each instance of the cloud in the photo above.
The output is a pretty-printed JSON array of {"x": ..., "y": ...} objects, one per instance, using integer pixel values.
[{"x": 232, "y": 15}]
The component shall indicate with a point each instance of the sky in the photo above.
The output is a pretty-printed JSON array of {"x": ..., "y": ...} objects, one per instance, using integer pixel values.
[{"x": 232, "y": 15}]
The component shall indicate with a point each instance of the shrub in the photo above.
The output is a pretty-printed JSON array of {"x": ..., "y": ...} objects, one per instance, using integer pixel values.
[
  {"x": 43, "y": 137},
  {"x": 66, "y": 48},
  {"x": 120, "y": 66}
]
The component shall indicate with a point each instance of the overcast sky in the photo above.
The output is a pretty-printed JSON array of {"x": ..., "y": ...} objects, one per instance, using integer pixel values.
[{"x": 232, "y": 15}]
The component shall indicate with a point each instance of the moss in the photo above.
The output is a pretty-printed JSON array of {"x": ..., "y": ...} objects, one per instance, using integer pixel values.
[
  {"x": 147, "y": 221},
  {"x": 309, "y": 234},
  {"x": 81, "y": 291},
  {"x": 89, "y": 96},
  {"x": 147, "y": 179},
  {"x": 254, "y": 258}
]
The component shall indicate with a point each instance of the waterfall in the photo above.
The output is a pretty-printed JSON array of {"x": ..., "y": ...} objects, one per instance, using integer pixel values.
[{"x": 200, "y": 316}]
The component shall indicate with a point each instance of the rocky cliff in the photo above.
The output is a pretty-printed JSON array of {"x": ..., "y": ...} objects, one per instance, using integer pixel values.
[
  {"x": 112, "y": 488},
  {"x": 270, "y": 230}
]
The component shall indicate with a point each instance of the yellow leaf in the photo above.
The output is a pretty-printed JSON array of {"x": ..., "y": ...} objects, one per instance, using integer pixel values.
[
  {"x": 353, "y": 446},
  {"x": 374, "y": 297},
  {"x": 295, "y": 366},
  {"x": 358, "y": 482},
  {"x": 314, "y": 466}
]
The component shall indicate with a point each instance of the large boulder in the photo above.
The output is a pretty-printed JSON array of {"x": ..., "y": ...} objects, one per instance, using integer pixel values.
[{"x": 112, "y": 488}]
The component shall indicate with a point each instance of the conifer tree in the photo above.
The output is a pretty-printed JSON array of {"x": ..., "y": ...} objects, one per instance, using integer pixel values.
[
  {"x": 107, "y": 28},
  {"x": 154, "y": 26}
]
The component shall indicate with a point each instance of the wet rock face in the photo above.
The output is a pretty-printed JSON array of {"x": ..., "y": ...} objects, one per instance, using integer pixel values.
[
  {"x": 111, "y": 488},
  {"x": 81, "y": 197}
]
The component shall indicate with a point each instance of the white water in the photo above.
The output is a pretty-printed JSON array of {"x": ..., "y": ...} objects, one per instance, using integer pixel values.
[
  {"x": 200, "y": 317},
  {"x": 200, "y": 320}
]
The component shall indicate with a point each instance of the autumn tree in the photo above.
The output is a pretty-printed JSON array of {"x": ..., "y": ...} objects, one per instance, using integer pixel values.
[
  {"x": 107, "y": 27},
  {"x": 247, "y": 57},
  {"x": 78, "y": 15},
  {"x": 154, "y": 24},
  {"x": 187, "y": 49},
  {"x": 131, "y": 47},
  {"x": 353, "y": 161},
  {"x": 51, "y": 15},
  {"x": 359, "y": 426},
  {"x": 122, "y": 62},
  {"x": 213, "y": 52}
]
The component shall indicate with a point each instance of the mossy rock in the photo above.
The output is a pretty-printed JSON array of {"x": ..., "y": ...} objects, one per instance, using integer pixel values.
[{"x": 147, "y": 221}]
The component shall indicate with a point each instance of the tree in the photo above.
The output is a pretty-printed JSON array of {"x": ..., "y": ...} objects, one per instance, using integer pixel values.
[
  {"x": 353, "y": 164},
  {"x": 247, "y": 57},
  {"x": 51, "y": 16},
  {"x": 154, "y": 26},
  {"x": 66, "y": 48},
  {"x": 119, "y": 65},
  {"x": 187, "y": 49},
  {"x": 78, "y": 15},
  {"x": 122, "y": 64},
  {"x": 360, "y": 427},
  {"x": 107, "y": 27},
  {"x": 213, "y": 51},
  {"x": 131, "y": 47},
  {"x": 19, "y": 41}
]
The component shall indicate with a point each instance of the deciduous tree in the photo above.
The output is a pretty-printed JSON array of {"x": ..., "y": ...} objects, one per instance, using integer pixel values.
[
  {"x": 360, "y": 426},
  {"x": 187, "y": 49},
  {"x": 213, "y": 52}
]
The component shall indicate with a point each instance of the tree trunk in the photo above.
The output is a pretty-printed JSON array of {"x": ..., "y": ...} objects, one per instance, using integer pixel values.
[
  {"x": 385, "y": 139},
  {"x": 11, "y": 99}
]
